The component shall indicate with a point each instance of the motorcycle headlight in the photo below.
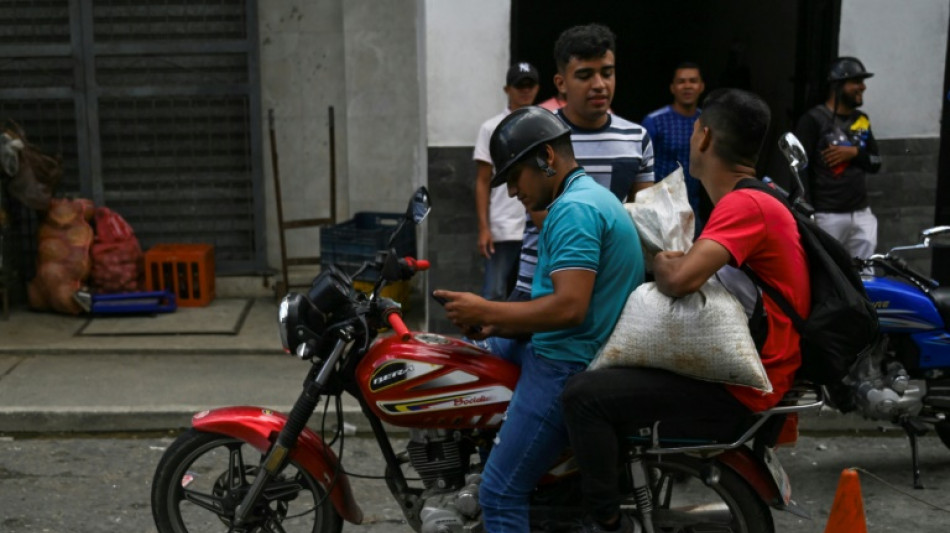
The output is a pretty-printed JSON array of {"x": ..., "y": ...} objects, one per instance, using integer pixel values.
[{"x": 288, "y": 315}]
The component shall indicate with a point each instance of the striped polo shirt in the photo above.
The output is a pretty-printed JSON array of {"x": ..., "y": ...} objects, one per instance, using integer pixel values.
[{"x": 616, "y": 155}]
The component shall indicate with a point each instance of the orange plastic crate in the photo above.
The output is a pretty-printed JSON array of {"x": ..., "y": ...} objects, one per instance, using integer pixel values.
[{"x": 184, "y": 269}]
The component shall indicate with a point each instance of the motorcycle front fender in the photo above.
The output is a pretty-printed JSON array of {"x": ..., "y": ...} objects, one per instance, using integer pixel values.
[{"x": 259, "y": 427}]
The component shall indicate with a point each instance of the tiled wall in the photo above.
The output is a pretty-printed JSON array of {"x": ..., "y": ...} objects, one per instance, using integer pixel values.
[
  {"x": 902, "y": 194},
  {"x": 453, "y": 227}
]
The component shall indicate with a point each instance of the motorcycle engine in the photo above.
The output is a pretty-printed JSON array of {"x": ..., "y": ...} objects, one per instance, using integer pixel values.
[
  {"x": 450, "y": 501},
  {"x": 883, "y": 389}
]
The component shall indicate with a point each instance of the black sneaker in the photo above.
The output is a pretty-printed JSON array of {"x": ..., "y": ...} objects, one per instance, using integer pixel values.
[{"x": 626, "y": 525}]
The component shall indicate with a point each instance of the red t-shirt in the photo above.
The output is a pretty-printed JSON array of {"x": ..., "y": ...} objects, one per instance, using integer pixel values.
[{"x": 760, "y": 232}]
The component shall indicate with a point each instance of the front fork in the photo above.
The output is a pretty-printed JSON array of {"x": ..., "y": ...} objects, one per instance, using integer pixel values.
[{"x": 279, "y": 454}]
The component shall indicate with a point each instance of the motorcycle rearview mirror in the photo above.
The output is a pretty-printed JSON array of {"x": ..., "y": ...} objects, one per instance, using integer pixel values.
[
  {"x": 930, "y": 233},
  {"x": 419, "y": 207},
  {"x": 793, "y": 151}
]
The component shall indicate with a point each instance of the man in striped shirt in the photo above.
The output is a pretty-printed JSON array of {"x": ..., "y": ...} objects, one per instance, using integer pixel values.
[{"x": 616, "y": 152}]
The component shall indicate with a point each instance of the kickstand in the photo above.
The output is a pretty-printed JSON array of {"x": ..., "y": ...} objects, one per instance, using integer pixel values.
[{"x": 913, "y": 430}]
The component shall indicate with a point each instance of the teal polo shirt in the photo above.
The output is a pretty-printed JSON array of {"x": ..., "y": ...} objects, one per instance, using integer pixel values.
[{"x": 587, "y": 228}]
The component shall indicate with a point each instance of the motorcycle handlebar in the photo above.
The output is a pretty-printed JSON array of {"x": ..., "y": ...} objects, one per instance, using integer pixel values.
[
  {"x": 799, "y": 203},
  {"x": 416, "y": 265},
  {"x": 396, "y": 322}
]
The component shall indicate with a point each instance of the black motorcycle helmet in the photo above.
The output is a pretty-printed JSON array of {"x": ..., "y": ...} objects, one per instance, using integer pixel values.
[
  {"x": 847, "y": 68},
  {"x": 518, "y": 135}
]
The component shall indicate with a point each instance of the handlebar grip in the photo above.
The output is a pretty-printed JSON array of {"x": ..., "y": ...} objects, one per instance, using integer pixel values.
[
  {"x": 395, "y": 322},
  {"x": 419, "y": 264}
]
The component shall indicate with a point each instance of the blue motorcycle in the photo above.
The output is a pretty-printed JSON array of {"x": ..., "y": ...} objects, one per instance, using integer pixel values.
[{"x": 907, "y": 380}]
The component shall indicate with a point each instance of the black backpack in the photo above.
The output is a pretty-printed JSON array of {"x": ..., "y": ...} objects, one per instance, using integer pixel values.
[{"x": 843, "y": 322}]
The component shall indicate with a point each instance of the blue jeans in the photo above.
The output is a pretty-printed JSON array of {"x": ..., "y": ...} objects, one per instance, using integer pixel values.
[
  {"x": 529, "y": 442},
  {"x": 511, "y": 350},
  {"x": 500, "y": 270}
]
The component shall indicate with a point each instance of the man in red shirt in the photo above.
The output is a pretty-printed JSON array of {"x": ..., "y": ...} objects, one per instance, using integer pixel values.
[{"x": 746, "y": 228}]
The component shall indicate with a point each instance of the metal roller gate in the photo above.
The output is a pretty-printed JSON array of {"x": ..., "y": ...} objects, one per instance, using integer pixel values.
[{"x": 154, "y": 106}]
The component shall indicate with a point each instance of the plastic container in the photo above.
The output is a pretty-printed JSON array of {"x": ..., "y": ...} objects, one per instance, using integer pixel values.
[
  {"x": 133, "y": 303},
  {"x": 186, "y": 270},
  {"x": 349, "y": 244}
]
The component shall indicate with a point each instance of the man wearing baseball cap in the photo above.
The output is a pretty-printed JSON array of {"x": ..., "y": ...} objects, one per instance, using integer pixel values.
[
  {"x": 841, "y": 152},
  {"x": 501, "y": 219}
]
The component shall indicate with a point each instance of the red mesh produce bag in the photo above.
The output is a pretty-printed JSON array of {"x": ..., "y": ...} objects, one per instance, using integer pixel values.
[{"x": 116, "y": 254}]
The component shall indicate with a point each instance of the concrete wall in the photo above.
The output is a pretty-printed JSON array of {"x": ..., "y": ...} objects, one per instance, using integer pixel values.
[
  {"x": 385, "y": 87},
  {"x": 904, "y": 44},
  {"x": 466, "y": 62},
  {"x": 366, "y": 59},
  {"x": 302, "y": 74}
]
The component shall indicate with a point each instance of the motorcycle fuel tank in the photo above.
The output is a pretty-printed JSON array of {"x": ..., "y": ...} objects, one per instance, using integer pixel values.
[
  {"x": 901, "y": 307},
  {"x": 435, "y": 381}
]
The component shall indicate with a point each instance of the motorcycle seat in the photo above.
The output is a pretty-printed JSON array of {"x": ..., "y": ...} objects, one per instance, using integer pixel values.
[{"x": 941, "y": 296}]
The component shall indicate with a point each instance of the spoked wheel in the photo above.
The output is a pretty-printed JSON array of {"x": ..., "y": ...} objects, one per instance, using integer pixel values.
[
  {"x": 202, "y": 478},
  {"x": 684, "y": 503}
]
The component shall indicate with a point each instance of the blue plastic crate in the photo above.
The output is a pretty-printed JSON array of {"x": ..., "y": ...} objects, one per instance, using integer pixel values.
[{"x": 349, "y": 244}]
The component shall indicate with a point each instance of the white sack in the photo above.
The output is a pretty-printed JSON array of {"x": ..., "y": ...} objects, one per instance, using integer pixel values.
[
  {"x": 704, "y": 335},
  {"x": 663, "y": 216}
]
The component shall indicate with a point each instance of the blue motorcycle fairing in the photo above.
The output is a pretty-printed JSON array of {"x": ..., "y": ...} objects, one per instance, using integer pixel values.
[
  {"x": 902, "y": 307},
  {"x": 934, "y": 349}
]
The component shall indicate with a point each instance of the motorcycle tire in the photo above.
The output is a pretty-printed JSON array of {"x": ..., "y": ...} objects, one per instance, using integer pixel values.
[
  {"x": 943, "y": 431},
  {"x": 202, "y": 477},
  {"x": 684, "y": 502}
]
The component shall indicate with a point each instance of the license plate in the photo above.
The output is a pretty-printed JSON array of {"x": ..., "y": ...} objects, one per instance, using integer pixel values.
[{"x": 778, "y": 476}]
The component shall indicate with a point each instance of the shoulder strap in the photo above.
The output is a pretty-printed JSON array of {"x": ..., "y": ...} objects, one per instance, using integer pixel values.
[
  {"x": 774, "y": 294},
  {"x": 777, "y": 297}
]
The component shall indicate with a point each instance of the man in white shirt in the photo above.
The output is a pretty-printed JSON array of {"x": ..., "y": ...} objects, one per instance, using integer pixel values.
[{"x": 501, "y": 219}]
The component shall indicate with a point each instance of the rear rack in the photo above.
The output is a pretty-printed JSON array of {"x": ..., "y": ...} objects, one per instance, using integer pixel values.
[{"x": 799, "y": 399}]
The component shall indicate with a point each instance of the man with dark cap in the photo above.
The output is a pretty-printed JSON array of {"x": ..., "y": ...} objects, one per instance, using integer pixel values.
[
  {"x": 501, "y": 219},
  {"x": 841, "y": 152}
]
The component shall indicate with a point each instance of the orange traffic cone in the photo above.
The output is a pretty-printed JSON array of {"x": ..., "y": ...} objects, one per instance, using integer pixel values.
[{"x": 847, "y": 511}]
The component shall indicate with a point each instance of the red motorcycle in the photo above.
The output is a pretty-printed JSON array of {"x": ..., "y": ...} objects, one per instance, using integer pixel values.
[{"x": 244, "y": 469}]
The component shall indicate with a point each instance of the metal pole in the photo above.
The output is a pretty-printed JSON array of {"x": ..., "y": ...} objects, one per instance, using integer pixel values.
[
  {"x": 280, "y": 207},
  {"x": 332, "y": 168}
]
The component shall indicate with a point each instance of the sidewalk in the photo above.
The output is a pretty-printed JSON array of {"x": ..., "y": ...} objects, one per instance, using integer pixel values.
[{"x": 53, "y": 380}]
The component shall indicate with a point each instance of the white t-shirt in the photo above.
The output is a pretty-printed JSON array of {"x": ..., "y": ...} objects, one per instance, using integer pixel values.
[{"x": 506, "y": 215}]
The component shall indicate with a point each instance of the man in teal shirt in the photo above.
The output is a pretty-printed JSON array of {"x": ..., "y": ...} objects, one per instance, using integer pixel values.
[{"x": 589, "y": 261}]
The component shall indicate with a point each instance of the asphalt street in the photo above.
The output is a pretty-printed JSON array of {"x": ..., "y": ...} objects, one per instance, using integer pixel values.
[{"x": 101, "y": 484}]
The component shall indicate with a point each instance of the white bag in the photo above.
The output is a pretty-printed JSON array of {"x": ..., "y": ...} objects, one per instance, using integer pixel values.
[
  {"x": 704, "y": 335},
  {"x": 663, "y": 216}
]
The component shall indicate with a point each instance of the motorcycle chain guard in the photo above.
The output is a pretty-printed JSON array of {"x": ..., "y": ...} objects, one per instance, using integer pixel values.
[{"x": 257, "y": 426}]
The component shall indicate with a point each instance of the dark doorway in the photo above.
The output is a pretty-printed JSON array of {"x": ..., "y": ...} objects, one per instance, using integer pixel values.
[{"x": 780, "y": 50}]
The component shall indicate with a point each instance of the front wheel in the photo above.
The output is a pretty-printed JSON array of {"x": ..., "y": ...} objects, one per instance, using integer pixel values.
[
  {"x": 692, "y": 496},
  {"x": 202, "y": 478}
]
